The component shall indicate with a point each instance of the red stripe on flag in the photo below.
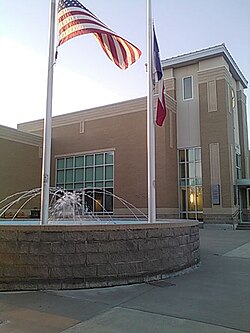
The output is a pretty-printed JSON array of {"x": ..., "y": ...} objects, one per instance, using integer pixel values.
[{"x": 83, "y": 21}]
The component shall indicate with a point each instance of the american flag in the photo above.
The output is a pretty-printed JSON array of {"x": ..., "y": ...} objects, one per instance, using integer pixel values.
[
  {"x": 161, "y": 105},
  {"x": 74, "y": 19}
]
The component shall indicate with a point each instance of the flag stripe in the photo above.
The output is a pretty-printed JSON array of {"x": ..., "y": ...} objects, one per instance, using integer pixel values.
[
  {"x": 86, "y": 29},
  {"x": 74, "y": 19},
  {"x": 80, "y": 18},
  {"x": 71, "y": 11},
  {"x": 108, "y": 47},
  {"x": 83, "y": 21},
  {"x": 121, "y": 52}
]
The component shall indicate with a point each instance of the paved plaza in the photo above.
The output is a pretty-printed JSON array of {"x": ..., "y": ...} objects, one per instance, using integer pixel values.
[{"x": 215, "y": 297}]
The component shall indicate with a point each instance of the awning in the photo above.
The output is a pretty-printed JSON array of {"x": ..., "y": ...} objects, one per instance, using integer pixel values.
[{"x": 244, "y": 182}]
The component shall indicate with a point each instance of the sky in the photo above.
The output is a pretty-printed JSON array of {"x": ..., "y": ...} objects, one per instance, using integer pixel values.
[{"x": 84, "y": 77}]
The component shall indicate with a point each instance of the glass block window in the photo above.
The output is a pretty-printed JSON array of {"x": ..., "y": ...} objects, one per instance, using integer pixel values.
[
  {"x": 93, "y": 174},
  {"x": 190, "y": 183},
  {"x": 187, "y": 87},
  {"x": 238, "y": 166},
  {"x": 233, "y": 103}
]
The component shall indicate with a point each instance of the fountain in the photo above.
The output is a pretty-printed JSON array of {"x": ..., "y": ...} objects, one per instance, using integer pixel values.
[
  {"x": 81, "y": 249},
  {"x": 65, "y": 206}
]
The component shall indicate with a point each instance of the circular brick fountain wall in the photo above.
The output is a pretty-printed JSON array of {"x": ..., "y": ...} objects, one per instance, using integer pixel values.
[{"x": 87, "y": 256}]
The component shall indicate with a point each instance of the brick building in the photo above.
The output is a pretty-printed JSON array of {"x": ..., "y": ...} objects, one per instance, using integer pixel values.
[{"x": 202, "y": 157}]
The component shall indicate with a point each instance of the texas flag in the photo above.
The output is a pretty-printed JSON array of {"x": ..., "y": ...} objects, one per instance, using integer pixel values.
[{"x": 158, "y": 72}]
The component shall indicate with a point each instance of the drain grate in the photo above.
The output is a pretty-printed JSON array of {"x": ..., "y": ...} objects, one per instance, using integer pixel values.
[
  {"x": 162, "y": 283},
  {"x": 3, "y": 322}
]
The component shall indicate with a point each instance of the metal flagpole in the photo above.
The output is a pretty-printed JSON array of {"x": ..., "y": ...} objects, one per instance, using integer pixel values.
[
  {"x": 48, "y": 121},
  {"x": 150, "y": 122}
]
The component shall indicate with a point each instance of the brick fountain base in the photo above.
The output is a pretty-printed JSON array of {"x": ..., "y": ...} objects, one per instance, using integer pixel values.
[{"x": 88, "y": 256}]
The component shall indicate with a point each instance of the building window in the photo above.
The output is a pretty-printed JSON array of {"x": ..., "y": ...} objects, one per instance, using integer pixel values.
[
  {"x": 248, "y": 198},
  {"x": 187, "y": 88},
  {"x": 93, "y": 174},
  {"x": 238, "y": 166},
  {"x": 190, "y": 184},
  {"x": 233, "y": 104}
]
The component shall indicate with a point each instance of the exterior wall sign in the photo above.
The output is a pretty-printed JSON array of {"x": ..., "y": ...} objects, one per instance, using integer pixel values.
[{"x": 216, "y": 194}]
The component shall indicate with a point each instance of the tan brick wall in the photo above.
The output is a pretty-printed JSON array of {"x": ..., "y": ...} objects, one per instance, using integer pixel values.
[
  {"x": 20, "y": 168},
  {"x": 216, "y": 127},
  {"x": 242, "y": 114},
  {"x": 127, "y": 135}
]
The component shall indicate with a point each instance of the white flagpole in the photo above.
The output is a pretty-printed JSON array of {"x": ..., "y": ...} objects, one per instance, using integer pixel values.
[
  {"x": 150, "y": 122},
  {"x": 48, "y": 121}
]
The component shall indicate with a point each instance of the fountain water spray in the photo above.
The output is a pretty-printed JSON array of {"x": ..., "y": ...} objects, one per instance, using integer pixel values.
[{"x": 66, "y": 205}]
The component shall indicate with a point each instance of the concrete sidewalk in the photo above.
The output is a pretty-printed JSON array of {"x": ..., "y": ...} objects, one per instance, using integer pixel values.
[{"x": 213, "y": 298}]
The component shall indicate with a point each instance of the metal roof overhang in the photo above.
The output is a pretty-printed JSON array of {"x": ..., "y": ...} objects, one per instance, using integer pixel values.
[
  {"x": 194, "y": 57},
  {"x": 244, "y": 182}
]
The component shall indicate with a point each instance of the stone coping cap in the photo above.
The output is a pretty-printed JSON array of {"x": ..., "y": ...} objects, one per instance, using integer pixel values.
[{"x": 101, "y": 227}]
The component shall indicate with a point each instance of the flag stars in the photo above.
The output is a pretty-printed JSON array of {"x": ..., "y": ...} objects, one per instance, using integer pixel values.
[{"x": 69, "y": 3}]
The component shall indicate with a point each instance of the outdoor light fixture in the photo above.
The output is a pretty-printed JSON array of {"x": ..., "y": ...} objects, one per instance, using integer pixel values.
[{"x": 191, "y": 198}]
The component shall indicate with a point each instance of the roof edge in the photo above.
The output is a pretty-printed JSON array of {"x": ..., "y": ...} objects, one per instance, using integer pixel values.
[
  {"x": 210, "y": 52},
  {"x": 12, "y": 134}
]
